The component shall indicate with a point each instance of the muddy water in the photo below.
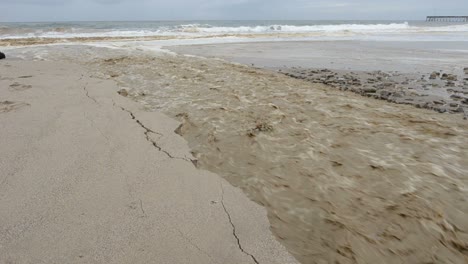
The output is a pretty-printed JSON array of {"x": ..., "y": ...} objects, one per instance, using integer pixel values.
[{"x": 345, "y": 179}]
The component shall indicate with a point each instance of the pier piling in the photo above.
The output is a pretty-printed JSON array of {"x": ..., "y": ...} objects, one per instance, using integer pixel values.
[{"x": 447, "y": 19}]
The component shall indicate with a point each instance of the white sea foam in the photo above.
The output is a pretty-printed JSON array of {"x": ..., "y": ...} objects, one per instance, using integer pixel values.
[
  {"x": 424, "y": 31},
  {"x": 110, "y": 33},
  {"x": 300, "y": 29}
]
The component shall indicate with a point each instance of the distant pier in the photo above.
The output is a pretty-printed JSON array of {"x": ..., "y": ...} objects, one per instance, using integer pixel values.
[{"x": 447, "y": 19}]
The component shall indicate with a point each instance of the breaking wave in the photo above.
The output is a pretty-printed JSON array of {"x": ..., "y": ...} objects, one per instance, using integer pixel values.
[
  {"x": 296, "y": 29},
  {"x": 137, "y": 29}
]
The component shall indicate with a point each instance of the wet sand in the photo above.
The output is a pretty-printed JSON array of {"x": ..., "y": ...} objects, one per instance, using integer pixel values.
[
  {"x": 88, "y": 177},
  {"x": 404, "y": 57}
]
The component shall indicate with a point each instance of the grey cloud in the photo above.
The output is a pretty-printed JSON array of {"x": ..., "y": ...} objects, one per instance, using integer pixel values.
[
  {"x": 46, "y": 10},
  {"x": 34, "y": 2}
]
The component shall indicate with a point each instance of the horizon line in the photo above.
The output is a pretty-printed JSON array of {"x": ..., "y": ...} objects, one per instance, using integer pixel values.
[{"x": 186, "y": 20}]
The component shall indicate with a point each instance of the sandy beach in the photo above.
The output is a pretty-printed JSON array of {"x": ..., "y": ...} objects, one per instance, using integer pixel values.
[
  {"x": 154, "y": 150},
  {"x": 87, "y": 177}
]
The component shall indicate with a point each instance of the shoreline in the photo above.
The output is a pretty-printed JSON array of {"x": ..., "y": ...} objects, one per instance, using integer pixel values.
[
  {"x": 402, "y": 81},
  {"x": 76, "y": 187}
]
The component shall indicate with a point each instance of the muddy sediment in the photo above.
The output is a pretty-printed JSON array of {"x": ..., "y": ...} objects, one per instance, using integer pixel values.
[
  {"x": 345, "y": 178},
  {"x": 439, "y": 91}
]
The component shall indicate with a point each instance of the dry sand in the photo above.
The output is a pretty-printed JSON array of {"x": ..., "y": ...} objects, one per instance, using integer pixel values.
[{"x": 86, "y": 177}]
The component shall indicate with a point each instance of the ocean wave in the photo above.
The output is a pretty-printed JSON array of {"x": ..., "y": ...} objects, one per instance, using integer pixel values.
[
  {"x": 83, "y": 34},
  {"x": 204, "y": 30},
  {"x": 297, "y": 29},
  {"x": 358, "y": 28}
]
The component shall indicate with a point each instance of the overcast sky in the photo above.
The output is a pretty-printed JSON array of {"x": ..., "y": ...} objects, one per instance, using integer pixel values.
[{"x": 112, "y": 10}]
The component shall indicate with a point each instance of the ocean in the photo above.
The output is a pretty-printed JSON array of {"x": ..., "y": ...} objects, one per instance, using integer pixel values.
[{"x": 310, "y": 30}]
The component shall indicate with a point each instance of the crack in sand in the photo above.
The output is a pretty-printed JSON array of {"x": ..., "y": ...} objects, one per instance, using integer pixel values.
[
  {"x": 93, "y": 124},
  {"x": 147, "y": 133},
  {"x": 148, "y": 138},
  {"x": 142, "y": 209},
  {"x": 85, "y": 88},
  {"x": 147, "y": 130},
  {"x": 234, "y": 233}
]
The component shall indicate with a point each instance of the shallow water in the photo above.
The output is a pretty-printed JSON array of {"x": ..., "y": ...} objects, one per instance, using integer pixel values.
[{"x": 345, "y": 179}]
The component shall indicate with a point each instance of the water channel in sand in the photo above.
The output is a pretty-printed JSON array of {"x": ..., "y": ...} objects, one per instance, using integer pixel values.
[{"x": 345, "y": 179}]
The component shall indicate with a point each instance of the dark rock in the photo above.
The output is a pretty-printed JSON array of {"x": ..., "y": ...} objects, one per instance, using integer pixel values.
[
  {"x": 2, "y": 56},
  {"x": 369, "y": 90},
  {"x": 388, "y": 84},
  {"x": 452, "y": 77},
  {"x": 407, "y": 101},
  {"x": 123, "y": 92},
  {"x": 466, "y": 70},
  {"x": 384, "y": 94},
  {"x": 434, "y": 75},
  {"x": 440, "y": 109},
  {"x": 458, "y": 110},
  {"x": 444, "y": 76},
  {"x": 422, "y": 105}
]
